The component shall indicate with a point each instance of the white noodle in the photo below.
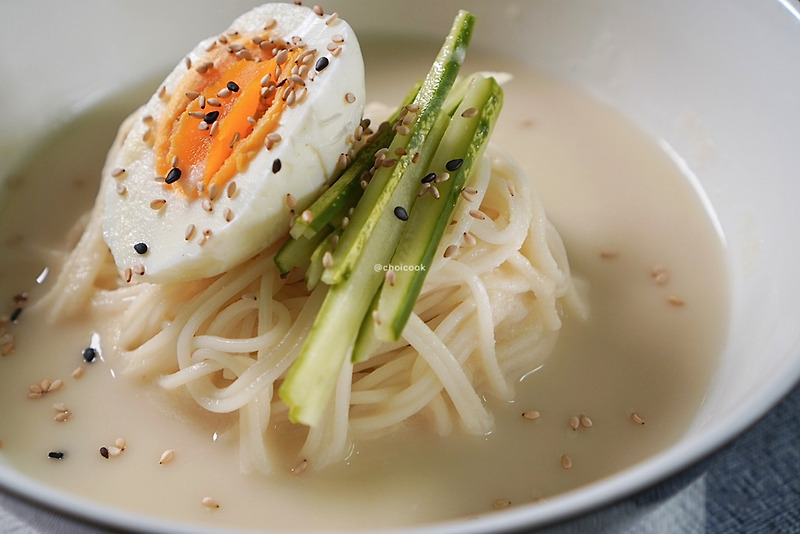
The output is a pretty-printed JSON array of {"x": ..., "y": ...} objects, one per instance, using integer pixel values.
[{"x": 485, "y": 317}]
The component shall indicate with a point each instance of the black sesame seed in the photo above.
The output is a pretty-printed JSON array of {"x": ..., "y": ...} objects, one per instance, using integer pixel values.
[
  {"x": 453, "y": 164},
  {"x": 210, "y": 117},
  {"x": 173, "y": 175},
  {"x": 104, "y": 452},
  {"x": 321, "y": 64},
  {"x": 233, "y": 87},
  {"x": 89, "y": 354},
  {"x": 55, "y": 455},
  {"x": 401, "y": 213},
  {"x": 140, "y": 248},
  {"x": 15, "y": 314},
  {"x": 276, "y": 165},
  {"x": 428, "y": 178}
]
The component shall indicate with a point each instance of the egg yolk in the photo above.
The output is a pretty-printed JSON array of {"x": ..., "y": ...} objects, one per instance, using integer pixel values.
[{"x": 224, "y": 108}]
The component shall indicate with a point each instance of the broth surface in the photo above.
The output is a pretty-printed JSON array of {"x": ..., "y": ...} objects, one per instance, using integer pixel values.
[{"x": 625, "y": 212}]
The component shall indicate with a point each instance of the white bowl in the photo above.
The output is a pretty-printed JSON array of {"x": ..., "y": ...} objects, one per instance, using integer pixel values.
[{"x": 731, "y": 65}]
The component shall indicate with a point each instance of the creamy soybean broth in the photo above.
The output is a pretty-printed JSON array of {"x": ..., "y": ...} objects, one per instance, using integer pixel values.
[{"x": 622, "y": 208}]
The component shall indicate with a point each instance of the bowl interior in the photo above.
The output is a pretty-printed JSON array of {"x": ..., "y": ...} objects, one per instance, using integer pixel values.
[{"x": 715, "y": 82}]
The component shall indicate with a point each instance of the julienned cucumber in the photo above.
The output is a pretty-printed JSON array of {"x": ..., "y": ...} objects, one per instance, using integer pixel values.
[
  {"x": 465, "y": 139},
  {"x": 354, "y": 270},
  {"x": 376, "y": 199}
]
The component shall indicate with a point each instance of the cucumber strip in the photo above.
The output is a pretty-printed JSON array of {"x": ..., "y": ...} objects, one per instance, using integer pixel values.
[
  {"x": 345, "y": 192},
  {"x": 377, "y": 197},
  {"x": 370, "y": 239},
  {"x": 296, "y": 252},
  {"x": 466, "y": 139}
]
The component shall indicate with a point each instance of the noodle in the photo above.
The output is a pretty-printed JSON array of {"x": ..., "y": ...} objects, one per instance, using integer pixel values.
[{"x": 485, "y": 317}]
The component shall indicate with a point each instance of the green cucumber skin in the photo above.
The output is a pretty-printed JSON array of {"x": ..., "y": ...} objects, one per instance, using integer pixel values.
[
  {"x": 353, "y": 277},
  {"x": 430, "y": 217},
  {"x": 377, "y": 197},
  {"x": 296, "y": 252}
]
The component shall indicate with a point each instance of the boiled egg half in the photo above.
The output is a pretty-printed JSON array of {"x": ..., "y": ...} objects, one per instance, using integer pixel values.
[{"x": 243, "y": 133}]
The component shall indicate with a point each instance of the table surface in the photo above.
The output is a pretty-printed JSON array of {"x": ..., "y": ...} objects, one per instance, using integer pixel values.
[{"x": 752, "y": 485}]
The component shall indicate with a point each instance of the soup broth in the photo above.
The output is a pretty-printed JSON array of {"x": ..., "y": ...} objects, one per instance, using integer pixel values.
[{"x": 618, "y": 388}]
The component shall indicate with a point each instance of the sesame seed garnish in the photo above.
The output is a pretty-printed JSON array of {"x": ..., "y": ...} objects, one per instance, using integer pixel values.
[
  {"x": 566, "y": 461},
  {"x": 402, "y": 129},
  {"x": 469, "y": 239},
  {"x": 469, "y": 113},
  {"x": 291, "y": 202},
  {"x": 499, "y": 504},
  {"x": 202, "y": 102},
  {"x": 338, "y": 38},
  {"x": 189, "y": 232},
  {"x": 574, "y": 422},
  {"x": 333, "y": 18},
  {"x": 423, "y": 189},
  {"x": 389, "y": 162},
  {"x": 104, "y": 452},
  {"x": 609, "y": 254},
  {"x": 138, "y": 269},
  {"x": 207, "y": 205},
  {"x": 210, "y": 117},
  {"x": 89, "y": 354},
  {"x": 172, "y": 176},
  {"x": 477, "y": 214},
  {"x": 213, "y": 102},
  {"x": 434, "y": 191},
  {"x": 231, "y": 189},
  {"x": 78, "y": 372},
  {"x": 210, "y": 503},
  {"x": 401, "y": 213},
  {"x": 318, "y": 10},
  {"x": 453, "y": 164},
  {"x": 213, "y": 191},
  {"x": 202, "y": 68},
  {"x": 586, "y": 422},
  {"x": 531, "y": 414},
  {"x": 442, "y": 177},
  {"x": 232, "y": 86},
  {"x": 321, "y": 64},
  {"x": 62, "y": 416},
  {"x": 128, "y": 274},
  {"x": 117, "y": 172},
  {"x": 659, "y": 274},
  {"x": 415, "y": 157},
  {"x": 191, "y": 95},
  {"x": 450, "y": 251},
  {"x": 391, "y": 277},
  {"x": 121, "y": 189},
  {"x": 227, "y": 214},
  {"x": 307, "y": 216},
  {"x": 205, "y": 237},
  {"x": 56, "y": 455},
  {"x": 327, "y": 259},
  {"x": 166, "y": 457},
  {"x": 349, "y": 98},
  {"x": 276, "y": 165},
  {"x": 676, "y": 301},
  {"x": 280, "y": 59},
  {"x": 214, "y": 129},
  {"x": 202, "y": 126},
  {"x": 224, "y": 93},
  {"x": 636, "y": 418},
  {"x": 512, "y": 189}
]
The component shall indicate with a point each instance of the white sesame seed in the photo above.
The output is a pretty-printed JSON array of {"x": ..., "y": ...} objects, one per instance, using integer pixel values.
[
  {"x": 531, "y": 414},
  {"x": 307, "y": 216},
  {"x": 338, "y": 38},
  {"x": 291, "y": 202},
  {"x": 55, "y": 385},
  {"x": 327, "y": 260},
  {"x": 676, "y": 301},
  {"x": 207, "y": 205},
  {"x": 227, "y": 214},
  {"x": 114, "y": 451},
  {"x": 210, "y": 503},
  {"x": 213, "y": 191},
  {"x": 477, "y": 214},
  {"x": 213, "y": 102},
  {"x": 224, "y": 93},
  {"x": 128, "y": 274},
  {"x": 499, "y": 504},
  {"x": 280, "y": 59},
  {"x": 121, "y": 189},
  {"x": 450, "y": 251},
  {"x": 189, "y": 232},
  {"x": 166, "y": 457},
  {"x": 636, "y": 418},
  {"x": 566, "y": 461},
  {"x": 469, "y": 239},
  {"x": 390, "y": 277},
  {"x": 61, "y": 417},
  {"x": 574, "y": 422},
  {"x": 231, "y": 189},
  {"x": 117, "y": 172},
  {"x": 138, "y": 269},
  {"x": 469, "y": 113},
  {"x": 299, "y": 468},
  {"x": 586, "y": 422},
  {"x": 78, "y": 372}
]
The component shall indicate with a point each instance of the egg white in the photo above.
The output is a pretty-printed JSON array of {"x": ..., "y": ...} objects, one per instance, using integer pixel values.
[{"x": 314, "y": 133}]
